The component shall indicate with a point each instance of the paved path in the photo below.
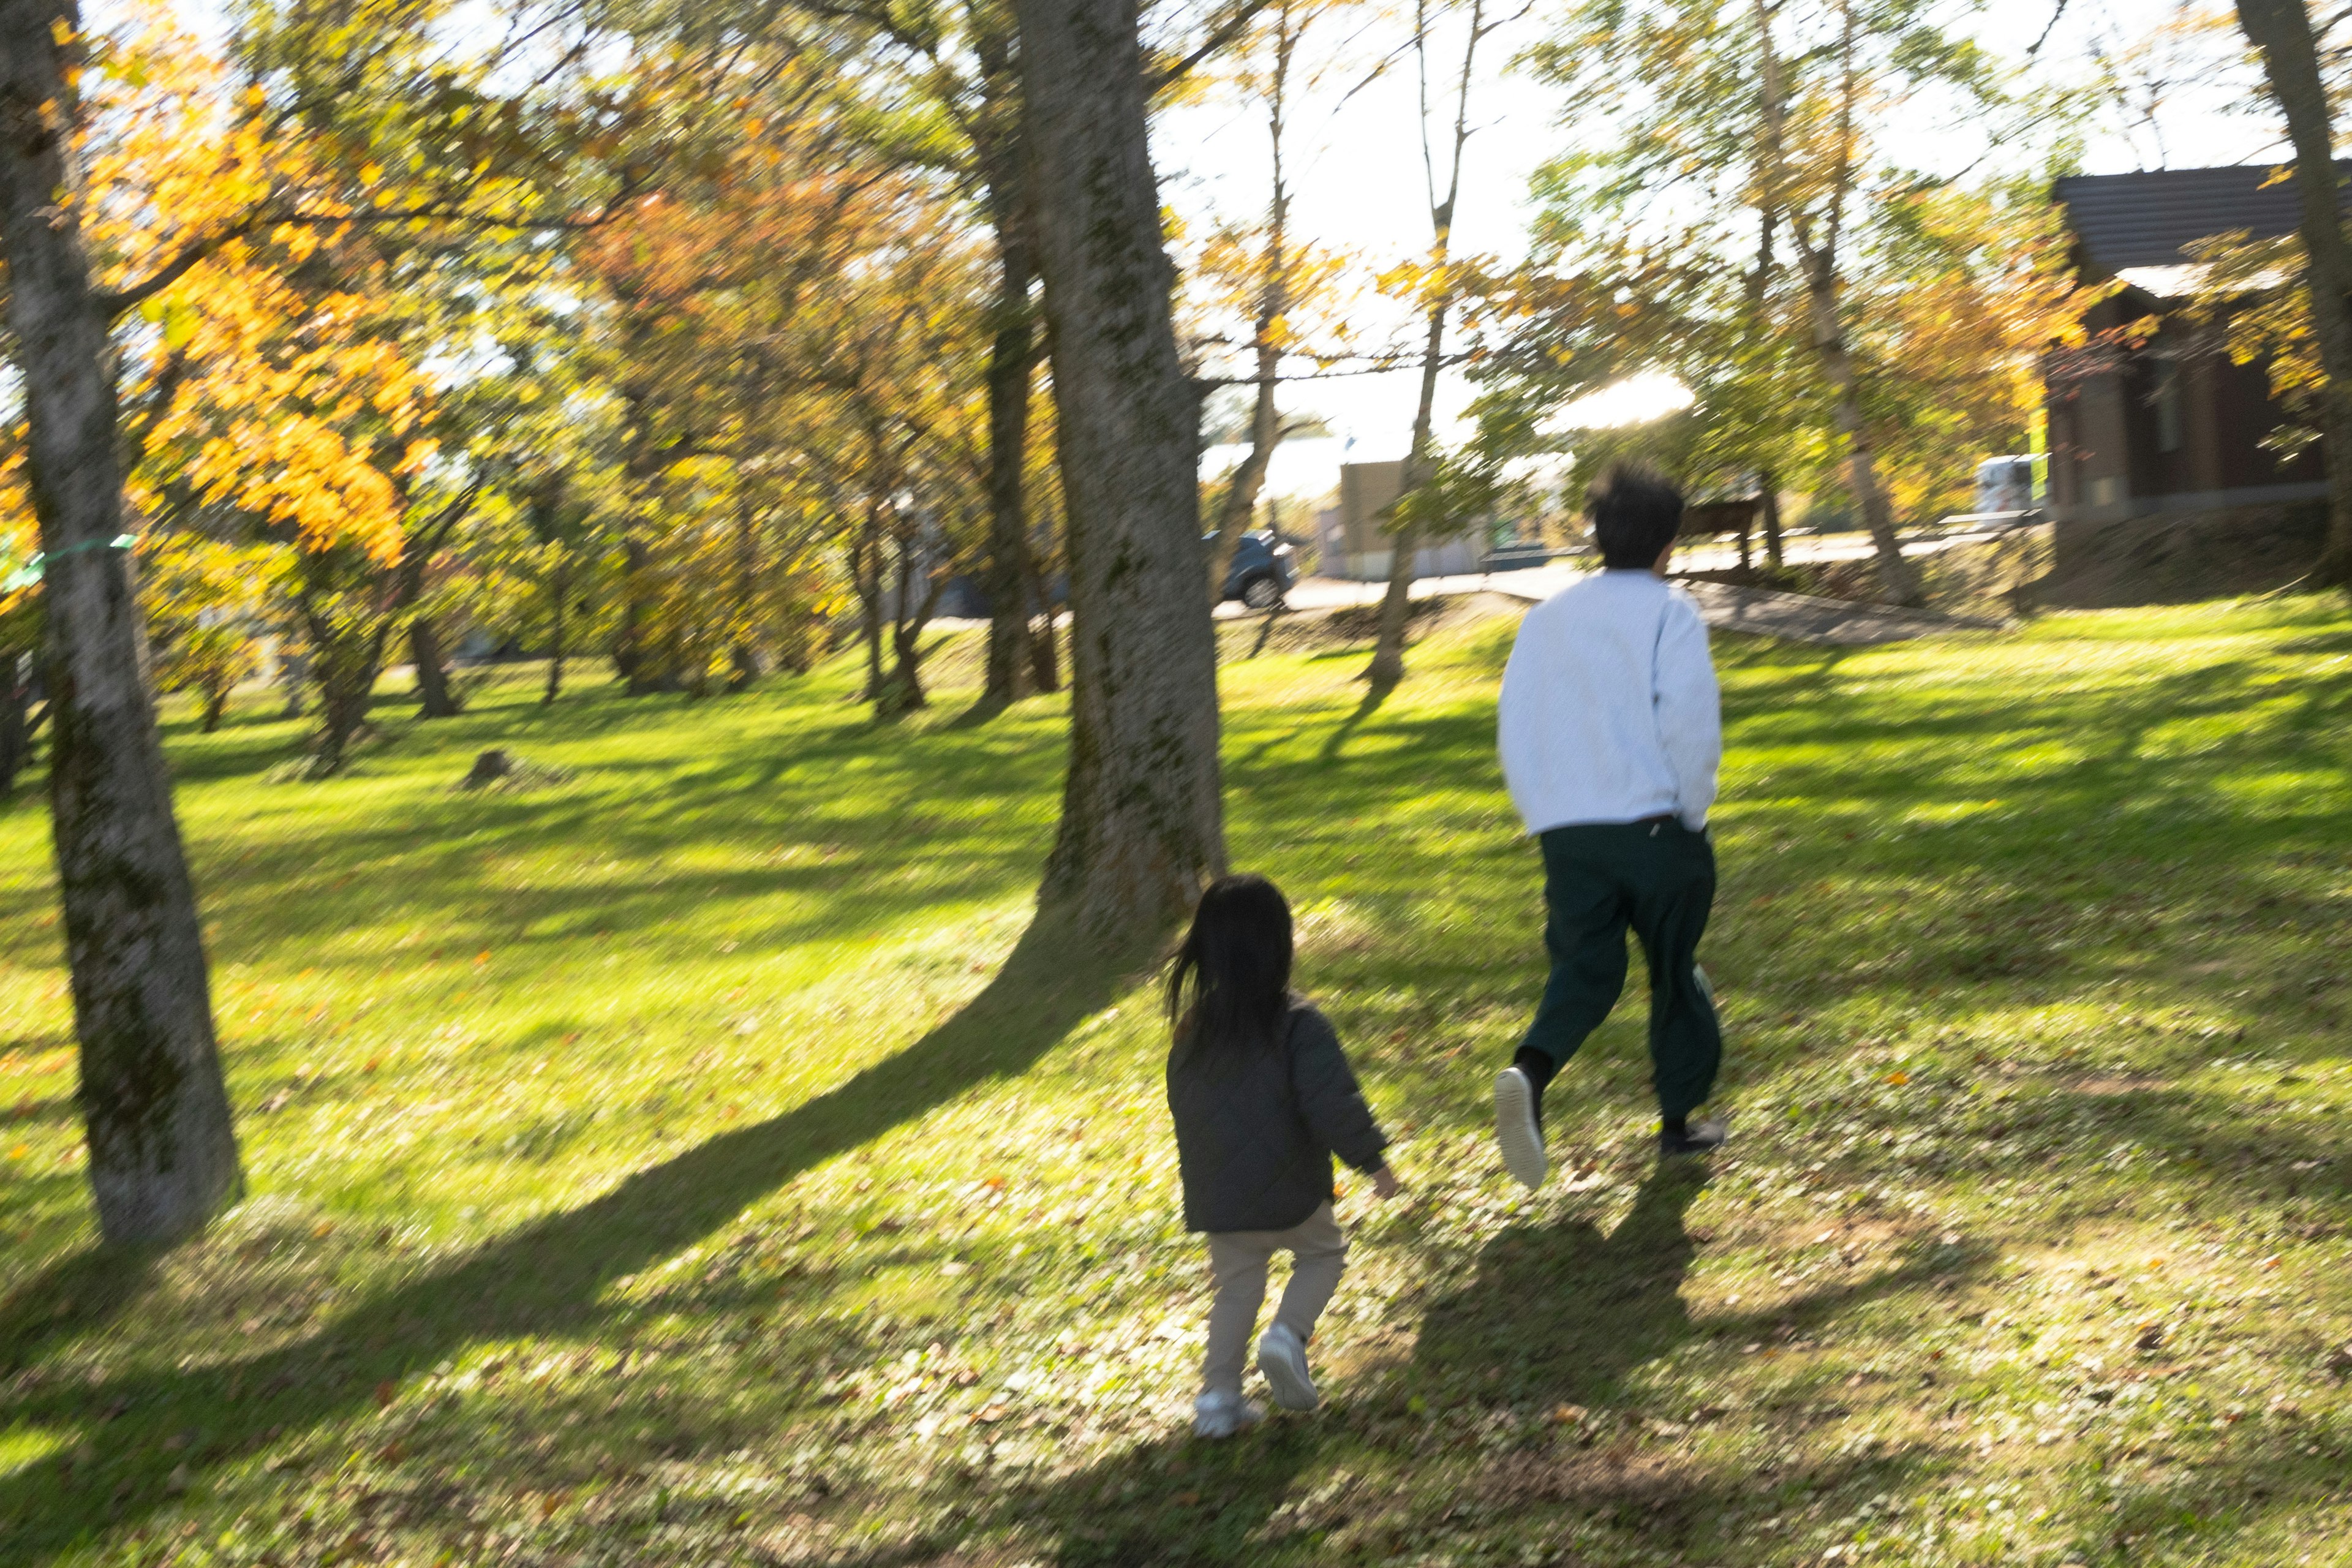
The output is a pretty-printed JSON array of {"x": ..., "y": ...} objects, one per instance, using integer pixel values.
[
  {"x": 1794, "y": 617},
  {"x": 1830, "y": 623}
]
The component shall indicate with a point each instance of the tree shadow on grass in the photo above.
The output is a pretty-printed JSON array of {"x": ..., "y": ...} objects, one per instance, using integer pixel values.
[
  {"x": 545, "y": 1275},
  {"x": 1375, "y": 692}
]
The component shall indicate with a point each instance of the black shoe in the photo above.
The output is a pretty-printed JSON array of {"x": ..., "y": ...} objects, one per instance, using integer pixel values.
[{"x": 1702, "y": 1138}]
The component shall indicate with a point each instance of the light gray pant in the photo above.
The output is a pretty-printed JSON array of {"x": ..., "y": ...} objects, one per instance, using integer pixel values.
[{"x": 1237, "y": 1260}]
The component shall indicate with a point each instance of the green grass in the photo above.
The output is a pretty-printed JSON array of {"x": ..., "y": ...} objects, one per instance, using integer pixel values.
[{"x": 700, "y": 1160}]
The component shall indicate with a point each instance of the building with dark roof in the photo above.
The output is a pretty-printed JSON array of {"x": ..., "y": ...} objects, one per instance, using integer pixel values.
[{"x": 2169, "y": 424}]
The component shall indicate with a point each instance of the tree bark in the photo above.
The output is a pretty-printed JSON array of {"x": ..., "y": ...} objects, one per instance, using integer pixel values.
[
  {"x": 903, "y": 692},
  {"x": 435, "y": 698},
  {"x": 1010, "y": 356},
  {"x": 561, "y": 586},
  {"x": 1142, "y": 820},
  {"x": 16, "y": 733},
  {"x": 628, "y": 638},
  {"x": 345, "y": 662},
  {"x": 1771, "y": 486},
  {"x": 1396, "y": 603},
  {"x": 216, "y": 697},
  {"x": 2281, "y": 30},
  {"x": 1899, "y": 577},
  {"x": 162, "y": 1149},
  {"x": 293, "y": 672},
  {"x": 1273, "y": 304},
  {"x": 1819, "y": 262},
  {"x": 1045, "y": 654}
]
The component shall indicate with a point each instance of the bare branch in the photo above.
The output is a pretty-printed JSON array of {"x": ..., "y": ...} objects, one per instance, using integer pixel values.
[{"x": 1224, "y": 34}]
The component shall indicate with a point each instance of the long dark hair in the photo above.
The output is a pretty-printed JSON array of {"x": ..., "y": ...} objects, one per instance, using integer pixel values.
[{"x": 1229, "y": 985}]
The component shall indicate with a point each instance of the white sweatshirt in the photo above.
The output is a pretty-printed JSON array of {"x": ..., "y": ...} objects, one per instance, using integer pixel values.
[{"x": 1608, "y": 710}]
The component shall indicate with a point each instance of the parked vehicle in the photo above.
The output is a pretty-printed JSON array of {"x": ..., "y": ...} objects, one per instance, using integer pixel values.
[
  {"x": 2004, "y": 485},
  {"x": 1262, "y": 572}
]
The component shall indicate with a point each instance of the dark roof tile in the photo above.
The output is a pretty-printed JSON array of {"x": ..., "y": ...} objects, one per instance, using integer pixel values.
[{"x": 2147, "y": 219}]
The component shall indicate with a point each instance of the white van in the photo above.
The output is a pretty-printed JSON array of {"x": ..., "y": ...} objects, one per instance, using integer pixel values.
[{"x": 2004, "y": 484}]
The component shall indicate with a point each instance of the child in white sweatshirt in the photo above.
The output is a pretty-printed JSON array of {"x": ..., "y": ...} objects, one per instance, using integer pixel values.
[{"x": 1610, "y": 734}]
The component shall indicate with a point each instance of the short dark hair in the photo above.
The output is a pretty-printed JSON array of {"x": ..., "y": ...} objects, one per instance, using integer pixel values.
[{"x": 1636, "y": 511}]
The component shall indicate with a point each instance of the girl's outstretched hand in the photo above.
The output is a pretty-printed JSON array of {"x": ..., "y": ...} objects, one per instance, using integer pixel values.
[{"x": 1385, "y": 1184}]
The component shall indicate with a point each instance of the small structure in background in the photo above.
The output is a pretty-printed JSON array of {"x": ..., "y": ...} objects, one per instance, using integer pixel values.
[
  {"x": 2167, "y": 424},
  {"x": 1354, "y": 540},
  {"x": 1726, "y": 517}
]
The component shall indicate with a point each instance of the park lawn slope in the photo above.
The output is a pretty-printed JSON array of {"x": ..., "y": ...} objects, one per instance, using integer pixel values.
[{"x": 697, "y": 1156}]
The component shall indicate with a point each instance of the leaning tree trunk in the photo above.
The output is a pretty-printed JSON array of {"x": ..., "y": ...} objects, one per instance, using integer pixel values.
[
  {"x": 1141, "y": 819},
  {"x": 346, "y": 669},
  {"x": 1396, "y": 603},
  {"x": 2281, "y": 30},
  {"x": 162, "y": 1150},
  {"x": 1009, "y": 361},
  {"x": 1242, "y": 492},
  {"x": 434, "y": 700},
  {"x": 1273, "y": 304},
  {"x": 1900, "y": 578}
]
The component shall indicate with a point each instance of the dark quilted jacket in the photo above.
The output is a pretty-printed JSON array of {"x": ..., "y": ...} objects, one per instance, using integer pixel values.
[{"x": 1255, "y": 1131}]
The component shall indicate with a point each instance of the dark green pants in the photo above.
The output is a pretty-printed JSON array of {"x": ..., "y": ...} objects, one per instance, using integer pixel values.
[{"x": 1659, "y": 879}]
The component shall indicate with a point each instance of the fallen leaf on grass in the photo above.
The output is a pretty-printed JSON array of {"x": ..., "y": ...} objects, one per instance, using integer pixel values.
[
  {"x": 1187, "y": 1499},
  {"x": 2151, "y": 1336},
  {"x": 990, "y": 1413},
  {"x": 385, "y": 1392}
]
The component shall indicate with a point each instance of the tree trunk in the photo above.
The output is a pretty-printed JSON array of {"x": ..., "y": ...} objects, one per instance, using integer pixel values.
[
  {"x": 162, "y": 1149},
  {"x": 1771, "y": 486},
  {"x": 1819, "y": 262},
  {"x": 1273, "y": 304},
  {"x": 1142, "y": 820},
  {"x": 1009, "y": 361},
  {"x": 561, "y": 585},
  {"x": 216, "y": 706},
  {"x": 1900, "y": 578},
  {"x": 2281, "y": 30},
  {"x": 16, "y": 735},
  {"x": 344, "y": 666},
  {"x": 1396, "y": 605},
  {"x": 293, "y": 674},
  {"x": 628, "y": 639},
  {"x": 867, "y": 581},
  {"x": 434, "y": 700},
  {"x": 903, "y": 692},
  {"x": 1045, "y": 656}
]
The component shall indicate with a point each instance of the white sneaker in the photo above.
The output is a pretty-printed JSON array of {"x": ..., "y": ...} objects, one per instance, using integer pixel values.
[
  {"x": 1282, "y": 1356},
  {"x": 1516, "y": 1135},
  {"x": 1221, "y": 1414}
]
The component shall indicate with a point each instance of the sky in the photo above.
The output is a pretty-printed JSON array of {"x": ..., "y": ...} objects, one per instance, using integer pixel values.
[{"x": 1359, "y": 183}]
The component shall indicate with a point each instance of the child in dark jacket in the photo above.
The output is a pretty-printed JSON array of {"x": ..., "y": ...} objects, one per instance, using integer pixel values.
[{"x": 1262, "y": 1097}]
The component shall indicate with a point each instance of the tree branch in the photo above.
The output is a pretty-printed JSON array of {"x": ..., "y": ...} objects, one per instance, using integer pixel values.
[
  {"x": 1225, "y": 33},
  {"x": 116, "y": 302}
]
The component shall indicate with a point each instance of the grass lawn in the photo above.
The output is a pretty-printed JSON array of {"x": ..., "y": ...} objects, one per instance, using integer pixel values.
[{"x": 698, "y": 1159}]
